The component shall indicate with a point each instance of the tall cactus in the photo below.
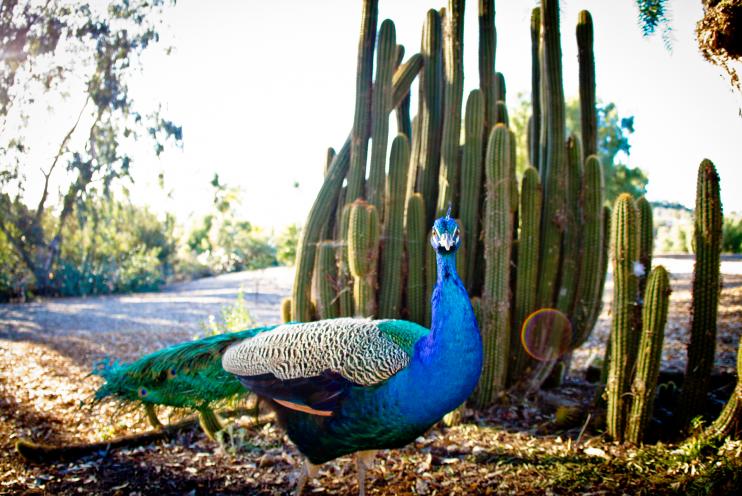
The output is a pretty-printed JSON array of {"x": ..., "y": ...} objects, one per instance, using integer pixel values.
[
  {"x": 471, "y": 181},
  {"x": 554, "y": 160},
  {"x": 654, "y": 318},
  {"x": 498, "y": 234},
  {"x": 729, "y": 421},
  {"x": 527, "y": 268},
  {"x": 487, "y": 46},
  {"x": 586, "y": 62},
  {"x": 381, "y": 106},
  {"x": 573, "y": 228},
  {"x": 390, "y": 293},
  {"x": 425, "y": 178},
  {"x": 453, "y": 71},
  {"x": 591, "y": 267},
  {"x": 534, "y": 128},
  {"x": 416, "y": 230},
  {"x": 362, "y": 117},
  {"x": 326, "y": 281},
  {"x": 363, "y": 250},
  {"x": 625, "y": 252},
  {"x": 706, "y": 284}
]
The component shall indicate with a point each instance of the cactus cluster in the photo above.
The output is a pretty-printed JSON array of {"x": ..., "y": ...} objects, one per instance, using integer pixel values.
[{"x": 522, "y": 242}]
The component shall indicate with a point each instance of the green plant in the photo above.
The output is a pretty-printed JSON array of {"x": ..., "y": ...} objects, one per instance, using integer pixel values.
[
  {"x": 233, "y": 317},
  {"x": 706, "y": 285},
  {"x": 625, "y": 253},
  {"x": 654, "y": 318}
]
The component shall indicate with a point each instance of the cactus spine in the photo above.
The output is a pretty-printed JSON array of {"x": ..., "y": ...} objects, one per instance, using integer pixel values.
[
  {"x": 381, "y": 106},
  {"x": 363, "y": 251},
  {"x": 625, "y": 252},
  {"x": 497, "y": 251},
  {"x": 416, "y": 230},
  {"x": 654, "y": 318},
  {"x": 706, "y": 283},
  {"x": 390, "y": 295}
]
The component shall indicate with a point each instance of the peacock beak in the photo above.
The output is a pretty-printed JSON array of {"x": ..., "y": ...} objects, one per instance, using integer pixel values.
[{"x": 446, "y": 241}]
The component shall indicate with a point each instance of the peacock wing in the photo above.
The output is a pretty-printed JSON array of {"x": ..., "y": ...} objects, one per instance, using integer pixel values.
[{"x": 313, "y": 365}]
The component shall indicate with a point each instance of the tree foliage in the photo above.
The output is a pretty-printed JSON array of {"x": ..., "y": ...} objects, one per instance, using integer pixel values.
[
  {"x": 68, "y": 54},
  {"x": 614, "y": 148}
]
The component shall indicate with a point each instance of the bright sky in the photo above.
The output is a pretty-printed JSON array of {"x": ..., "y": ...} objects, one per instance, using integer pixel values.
[{"x": 263, "y": 88}]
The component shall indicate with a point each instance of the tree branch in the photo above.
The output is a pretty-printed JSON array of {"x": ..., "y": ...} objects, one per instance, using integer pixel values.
[{"x": 62, "y": 149}]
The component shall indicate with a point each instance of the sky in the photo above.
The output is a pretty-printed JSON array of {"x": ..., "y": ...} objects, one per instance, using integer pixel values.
[{"x": 263, "y": 88}]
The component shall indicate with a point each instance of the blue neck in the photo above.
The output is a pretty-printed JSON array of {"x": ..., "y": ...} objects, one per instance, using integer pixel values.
[{"x": 449, "y": 359}]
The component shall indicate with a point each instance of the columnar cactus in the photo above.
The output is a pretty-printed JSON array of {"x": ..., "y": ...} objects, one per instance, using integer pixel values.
[
  {"x": 526, "y": 279},
  {"x": 344, "y": 278},
  {"x": 534, "y": 127},
  {"x": 591, "y": 267},
  {"x": 426, "y": 157},
  {"x": 706, "y": 284},
  {"x": 729, "y": 422},
  {"x": 498, "y": 232},
  {"x": 326, "y": 281},
  {"x": 586, "y": 61},
  {"x": 453, "y": 71},
  {"x": 573, "y": 228},
  {"x": 487, "y": 46},
  {"x": 625, "y": 253},
  {"x": 390, "y": 293},
  {"x": 646, "y": 239},
  {"x": 654, "y": 318},
  {"x": 471, "y": 183},
  {"x": 416, "y": 231},
  {"x": 554, "y": 161},
  {"x": 404, "y": 122},
  {"x": 363, "y": 250},
  {"x": 362, "y": 117},
  {"x": 381, "y": 106}
]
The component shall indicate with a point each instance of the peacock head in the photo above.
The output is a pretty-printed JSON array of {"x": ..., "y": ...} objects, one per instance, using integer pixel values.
[{"x": 446, "y": 235}]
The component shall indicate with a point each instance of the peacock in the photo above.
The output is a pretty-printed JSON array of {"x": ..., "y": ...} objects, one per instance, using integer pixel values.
[{"x": 337, "y": 386}]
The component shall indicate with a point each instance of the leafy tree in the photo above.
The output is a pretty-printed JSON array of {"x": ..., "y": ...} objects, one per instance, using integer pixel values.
[
  {"x": 613, "y": 145},
  {"x": 61, "y": 52},
  {"x": 286, "y": 245}
]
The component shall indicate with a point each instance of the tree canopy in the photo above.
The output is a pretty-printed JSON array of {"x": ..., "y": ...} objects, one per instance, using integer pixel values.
[{"x": 66, "y": 54}]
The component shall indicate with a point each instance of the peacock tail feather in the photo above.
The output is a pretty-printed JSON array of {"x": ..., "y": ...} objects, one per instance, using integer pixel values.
[{"x": 185, "y": 375}]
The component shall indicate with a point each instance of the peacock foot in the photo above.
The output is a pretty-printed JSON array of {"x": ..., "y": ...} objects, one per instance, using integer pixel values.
[
  {"x": 308, "y": 471},
  {"x": 364, "y": 460}
]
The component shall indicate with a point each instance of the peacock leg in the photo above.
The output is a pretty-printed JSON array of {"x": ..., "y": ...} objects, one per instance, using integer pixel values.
[
  {"x": 364, "y": 460},
  {"x": 308, "y": 471}
]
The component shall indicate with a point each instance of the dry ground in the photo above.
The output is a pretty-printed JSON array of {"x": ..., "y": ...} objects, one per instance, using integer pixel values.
[{"x": 47, "y": 350}]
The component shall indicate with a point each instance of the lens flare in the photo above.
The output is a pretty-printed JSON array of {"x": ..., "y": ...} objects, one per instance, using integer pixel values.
[{"x": 546, "y": 334}]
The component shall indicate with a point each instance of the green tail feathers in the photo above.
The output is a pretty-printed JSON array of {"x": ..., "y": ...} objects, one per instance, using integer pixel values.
[{"x": 185, "y": 375}]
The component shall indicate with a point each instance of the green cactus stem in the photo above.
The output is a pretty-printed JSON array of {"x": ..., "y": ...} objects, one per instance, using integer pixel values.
[
  {"x": 646, "y": 239},
  {"x": 326, "y": 281},
  {"x": 534, "y": 129},
  {"x": 729, "y": 422},
  {"x": 344, "y": 278},
  {"x": 500, "y": 86},
  {"x": 286, "y": 310},
  {"x": 593, "y": 265},
  {"x": 363, "y": 251},
  {"x": 586, "y": 62},
  {"x": 416, "y": 244},
  {"x": 498, "y": 233},
  {"x": 572, "y": 243},
  {"x": 362, "y": 116},
  {"x": 404, "y": 123},
  {"x": 471, "y": 182},
  {"x": 453, "y": 72},
  {"x": 487, "y": 48},
  {"x": 380, "y": 108},
  {"x": 706, "y": 284},
  {"x": 625, "y": 253},
  {"x": 501, "y": 113},
  {"x": 392, "y": 253},
  {"x": 429, "y": 116},
  {"x": 527, "y": 267},
  {"x": 554, "y": 161},
  {"x": 654, "y": 318}
]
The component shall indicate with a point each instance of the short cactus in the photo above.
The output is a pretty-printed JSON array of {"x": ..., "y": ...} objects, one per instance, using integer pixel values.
[{"x": 363, "y": 251}]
